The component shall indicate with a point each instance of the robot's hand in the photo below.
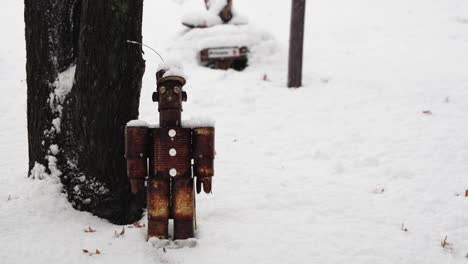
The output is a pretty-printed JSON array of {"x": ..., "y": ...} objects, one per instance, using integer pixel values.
[{"x": 206, "y": 182}]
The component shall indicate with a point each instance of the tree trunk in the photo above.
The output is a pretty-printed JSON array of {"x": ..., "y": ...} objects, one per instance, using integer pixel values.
[
  {"x": 51, "y": 47},
  {"x": 92, "y": 117}
]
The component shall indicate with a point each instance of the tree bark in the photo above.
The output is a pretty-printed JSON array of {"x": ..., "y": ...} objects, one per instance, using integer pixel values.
[
  {"x": 105, "y": 96},
  {"x": 51, "y": 47}
]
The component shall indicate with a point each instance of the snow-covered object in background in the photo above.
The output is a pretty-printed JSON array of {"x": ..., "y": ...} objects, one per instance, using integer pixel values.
[
  {"x": 204, "y": 19},
  {"x": 210, "y": 17},
  {"x": 172, "y": 68},
  {"x": 137, "y": 123},
  {"x": 260, "y": 43},
  {"x": 201, "y": 19},
  {"x": 219, "y": 13}
]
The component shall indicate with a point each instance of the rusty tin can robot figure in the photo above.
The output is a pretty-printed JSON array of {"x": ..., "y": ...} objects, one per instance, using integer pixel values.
[{"x": 170, "y": 149}]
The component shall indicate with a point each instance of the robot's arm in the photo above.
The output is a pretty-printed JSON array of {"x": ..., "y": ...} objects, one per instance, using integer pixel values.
[
  {"x": 136, "y": 154},
  {"x": 203, "y": 155}
]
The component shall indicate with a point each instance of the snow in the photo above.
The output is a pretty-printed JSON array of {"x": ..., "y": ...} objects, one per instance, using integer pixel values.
[
  {"x": 216, "y": 6},
  {"x": 202, "y": 19},
  {"x": 38, "y": 171},
  {"x": 63, "y": 85},
  {"x": 64, "y": 82},
  {"x": 172, "y": 67},
  {"x": 333, "y": 172},
  {"x": 56, "y": 122},
  {"x": 137, "y": 123},
  {"x": 208, "y": 18},
  {"x": 54, "y": 149},
  {"x": 198, "y": 121}
]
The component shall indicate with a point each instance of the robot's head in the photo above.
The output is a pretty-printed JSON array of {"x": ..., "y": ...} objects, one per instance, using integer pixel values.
[{"x": 169, "y": 93}]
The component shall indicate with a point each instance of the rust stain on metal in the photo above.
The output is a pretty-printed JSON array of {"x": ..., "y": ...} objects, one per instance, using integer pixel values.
[
  {"x": 158, "y": 207},
  {"x": 182, "y": 198}
]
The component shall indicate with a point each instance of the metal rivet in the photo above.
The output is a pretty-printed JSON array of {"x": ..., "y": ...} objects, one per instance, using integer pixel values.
[
  {"x": 172, "y": 152},
  {"x": 172, "y": 133},
  {"x": 173, "y": 172}
]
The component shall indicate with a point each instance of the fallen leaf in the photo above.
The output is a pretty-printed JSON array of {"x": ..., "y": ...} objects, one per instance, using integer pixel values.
[
  {"x": 466, "y": 193},
  {"x": 85, "y": 251},
  {"x": 427, "y": 112},
  {"x": 89, "y": 230},
  {"x": 379, "y": 190},
  {"x": 403, "y": 228},
  {"x": 138, "y": 225},
  {"x": 97, "y": 252},
  {"x": 117, "y": 234},
  {"x": 446, "y": 245}
]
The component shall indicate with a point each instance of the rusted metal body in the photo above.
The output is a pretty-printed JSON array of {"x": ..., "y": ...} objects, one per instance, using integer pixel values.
[
  {"x": 136, "y": 154},
  {"x": 203, "y": 155},
  {"x": 170, "y": 149}
]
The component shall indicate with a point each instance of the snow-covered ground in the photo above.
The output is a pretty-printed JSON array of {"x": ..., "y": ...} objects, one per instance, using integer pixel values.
[{"x": 347, "y": 169}]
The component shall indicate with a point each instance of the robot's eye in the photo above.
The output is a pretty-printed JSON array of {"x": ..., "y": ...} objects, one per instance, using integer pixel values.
[
  {"x": 162, "y": 89},
  {"x": 177, "y": 90}
]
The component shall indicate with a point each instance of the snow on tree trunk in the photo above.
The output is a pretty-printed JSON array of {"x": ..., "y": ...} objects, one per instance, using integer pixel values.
[{"x": 77, "y": 114}]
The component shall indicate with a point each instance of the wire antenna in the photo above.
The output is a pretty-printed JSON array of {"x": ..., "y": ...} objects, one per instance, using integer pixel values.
[{"x": 141, "y": 44}]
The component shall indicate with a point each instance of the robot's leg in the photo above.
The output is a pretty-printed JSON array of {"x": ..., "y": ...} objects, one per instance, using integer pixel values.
[
  {"x": 158, "y": 207},
  {"x": 183, "y": 200}
]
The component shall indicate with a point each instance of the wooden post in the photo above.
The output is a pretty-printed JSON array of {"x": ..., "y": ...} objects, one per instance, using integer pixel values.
[{"x": 296, "y": 43}]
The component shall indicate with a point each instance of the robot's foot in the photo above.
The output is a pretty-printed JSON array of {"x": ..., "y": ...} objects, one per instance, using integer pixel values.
[
  {"x": 158, "y": 229},
  {"x": 183, "y": 229}
]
